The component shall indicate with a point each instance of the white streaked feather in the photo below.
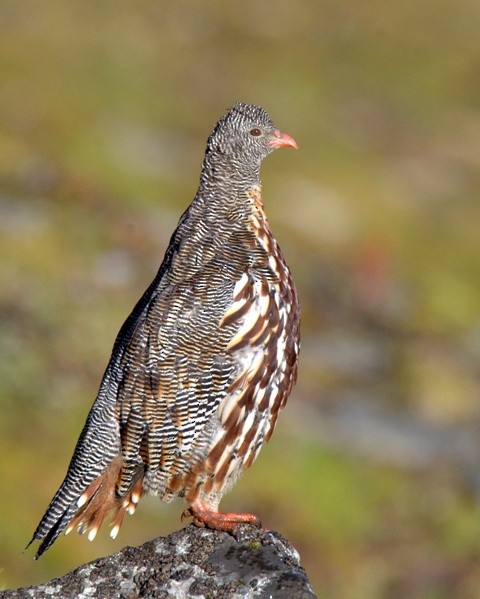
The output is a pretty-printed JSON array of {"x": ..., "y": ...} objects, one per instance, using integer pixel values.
[
  {"x": 240, "y": 284},
  {"x": 247, "y": 424},
  {"x": 82, "y": 500},
  {"x": 259, "y": 309},
  {"x": 237, "y": 305},
  {"x": 273, "y": 262},
  {"x": 92, "y": 533}
]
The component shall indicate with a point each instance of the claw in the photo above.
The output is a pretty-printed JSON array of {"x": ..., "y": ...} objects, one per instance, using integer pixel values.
[
  {"x": 229, "y": 522},
  {"x": 186, "y": 514}
]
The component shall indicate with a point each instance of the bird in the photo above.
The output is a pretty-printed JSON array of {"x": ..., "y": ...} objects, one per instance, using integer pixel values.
[{"x": 204, "y": 363}]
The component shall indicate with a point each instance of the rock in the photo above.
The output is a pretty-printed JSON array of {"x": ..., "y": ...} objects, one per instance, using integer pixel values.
[{"x": 191, "y": 563}]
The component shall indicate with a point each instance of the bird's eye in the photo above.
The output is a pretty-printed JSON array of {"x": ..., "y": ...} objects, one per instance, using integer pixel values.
[{"x": 256, "y": 132}]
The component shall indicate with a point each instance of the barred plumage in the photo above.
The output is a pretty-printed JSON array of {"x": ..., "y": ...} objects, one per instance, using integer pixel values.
[{"x": 202, "y": 366}]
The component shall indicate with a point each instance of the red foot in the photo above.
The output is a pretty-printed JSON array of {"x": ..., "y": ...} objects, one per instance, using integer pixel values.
[{"x": 218, "y": 521}]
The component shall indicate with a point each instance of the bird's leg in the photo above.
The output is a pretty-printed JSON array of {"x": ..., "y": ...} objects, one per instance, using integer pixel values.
[{"x": 204, "y": 516}]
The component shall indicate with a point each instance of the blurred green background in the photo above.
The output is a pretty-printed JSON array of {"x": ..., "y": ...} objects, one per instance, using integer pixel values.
[{"x": 104, "y": 111}]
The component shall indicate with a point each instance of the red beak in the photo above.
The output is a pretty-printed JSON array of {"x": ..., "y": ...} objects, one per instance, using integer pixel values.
[{"x": 282, "y": 140}]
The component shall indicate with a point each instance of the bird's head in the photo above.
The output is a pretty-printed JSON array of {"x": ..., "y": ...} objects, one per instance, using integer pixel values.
[{"x": 243, "y": 138}]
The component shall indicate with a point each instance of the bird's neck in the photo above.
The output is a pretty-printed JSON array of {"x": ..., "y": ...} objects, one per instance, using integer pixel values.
[{"x": 227, "y": 177}]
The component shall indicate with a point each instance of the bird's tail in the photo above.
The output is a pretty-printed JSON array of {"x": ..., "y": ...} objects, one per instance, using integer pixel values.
[
  {"x": 87, "y": 511},
  {"x": 100, "y": 498}
]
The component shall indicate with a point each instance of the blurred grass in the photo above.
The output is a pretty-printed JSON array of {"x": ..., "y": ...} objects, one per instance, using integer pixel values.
[{"x": 104, "y": 112}]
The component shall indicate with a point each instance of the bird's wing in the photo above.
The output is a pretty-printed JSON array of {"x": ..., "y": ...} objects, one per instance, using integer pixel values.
[{"x": 176, "y": 370}]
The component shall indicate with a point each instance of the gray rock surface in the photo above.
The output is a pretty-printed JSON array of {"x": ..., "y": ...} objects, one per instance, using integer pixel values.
[{"x": 193, "y": 563}]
